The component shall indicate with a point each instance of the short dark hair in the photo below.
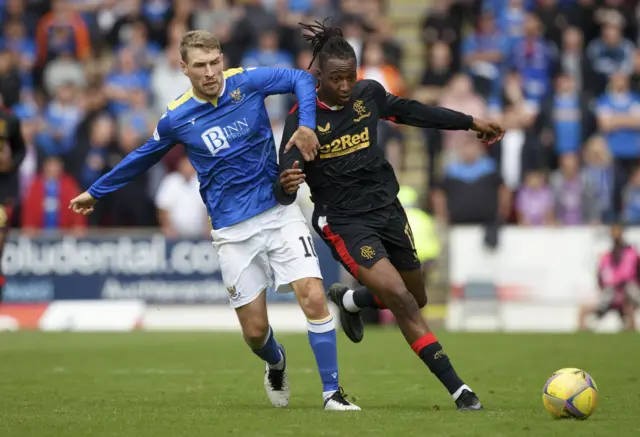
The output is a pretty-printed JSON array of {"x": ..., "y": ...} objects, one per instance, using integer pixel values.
[
  {"x": 327, "y": 42},
  {"x": 197, "y": 39}
]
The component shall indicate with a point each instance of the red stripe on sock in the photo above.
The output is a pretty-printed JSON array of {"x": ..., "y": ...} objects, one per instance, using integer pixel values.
[
  {"x": 423, "y": 342},
  {"x": 379, "y": 303},
  {"x": 340, "y": 246}
]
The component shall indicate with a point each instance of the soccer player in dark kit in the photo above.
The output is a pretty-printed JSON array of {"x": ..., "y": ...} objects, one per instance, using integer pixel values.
[
  {"x": 12, "y": 152},
  {"x": 354, "y": 191}
]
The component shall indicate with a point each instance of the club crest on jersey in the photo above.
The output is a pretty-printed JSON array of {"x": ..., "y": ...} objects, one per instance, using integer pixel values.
[
  {"x": 326, "y": 129},
  {"x": 367, "y": 252},
  {"x": 233, "y": 293},
  {"x": 361, "y": 110},
  {"x": 236, "y": 95}
]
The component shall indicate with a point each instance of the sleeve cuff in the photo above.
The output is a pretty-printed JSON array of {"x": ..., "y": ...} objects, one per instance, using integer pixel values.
[{"x": 93, "y": 193}]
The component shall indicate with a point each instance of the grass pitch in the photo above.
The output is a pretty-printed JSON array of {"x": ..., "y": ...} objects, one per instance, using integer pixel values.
[{"x": 209, "y": 384}]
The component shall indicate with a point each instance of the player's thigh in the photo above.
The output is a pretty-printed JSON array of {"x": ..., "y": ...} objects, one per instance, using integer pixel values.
[
  {"x": 292, "y": 255},
  {"x": 354, "y": 244},
  {"x": 4, "y": 225},
  {"x": 245, "y": 270}
]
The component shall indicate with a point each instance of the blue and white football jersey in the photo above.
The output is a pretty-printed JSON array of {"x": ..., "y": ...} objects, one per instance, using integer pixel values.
[{"x": 228, "y": 141}]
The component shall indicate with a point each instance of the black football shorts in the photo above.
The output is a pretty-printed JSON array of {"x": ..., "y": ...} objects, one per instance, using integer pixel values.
[{"x": 366, "y": 239}]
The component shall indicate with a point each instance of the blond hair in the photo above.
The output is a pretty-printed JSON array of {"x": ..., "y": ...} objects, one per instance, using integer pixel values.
[{"x": 197, "y": 39}]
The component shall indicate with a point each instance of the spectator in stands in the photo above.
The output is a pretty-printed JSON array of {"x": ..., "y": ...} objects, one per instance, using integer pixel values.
[
  {"x": 145, "y": 52},
  {"x": 635, "y": 77},
  {"x": 533, "y": 58},
  {"x": 48, "y": 197},
  {"x": 439, "y": 25},
  {"x": 565, "y": 121},
  {"x": 10, "y": 78},
  {"x": 581, "y": 15},
  {"x": 62, "y": 115},
  {"x": 575, "y": 197},
  {"x": 535, "y": 203},
  {"x": 511, "y": 19},
  {"x": 610, "y": 53},
  {"x": 572, "y": 60},
  {"x": 471, "y": 189},
  {"x": 157, "y": 14},
  {"x": 460, "y": 96},
  {"x": 132, "y": 205},
  {"x": 23, "y": 48},
  {"x": 375, "y": 66},
  {"x": 180, "y": 209},
  {"x": 436, "y": 75},
  {"x": 631, "y": 199},
  {"x": 62, "y": 31},
  {"x": 353, "y": 31},
  {"x": 618, "y": 114},
  {"x": 267, "y": 53},
  {"x": 598, "y": 170},
  {"x": 29, "y": 167},
  {"x": 94, "y": 106},
  {"x": 97, "y": 156},
  {"x": 553, "y": 19},
  {"x": 167, "y": 79},
  {"x": 15, "y": 10},
  {"x": 126, "y": 77},
  {"x": 483, "y": 55}
]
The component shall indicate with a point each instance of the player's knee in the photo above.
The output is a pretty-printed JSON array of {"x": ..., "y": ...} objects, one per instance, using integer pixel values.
[
  {"x": 310, "y": 294},
  {"x": 401, "y": 302},
  {"x": 255, "y": 333},
  {"x": 421, "y": 299}
]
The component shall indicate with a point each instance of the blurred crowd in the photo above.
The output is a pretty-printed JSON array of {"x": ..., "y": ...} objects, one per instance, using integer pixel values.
[
  {"x": 90, "y": 78},
  {"x": 563, "y": 77}
]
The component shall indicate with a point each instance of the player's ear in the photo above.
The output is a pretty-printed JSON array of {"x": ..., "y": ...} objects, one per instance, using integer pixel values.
[{"x": 183, "y": 66}]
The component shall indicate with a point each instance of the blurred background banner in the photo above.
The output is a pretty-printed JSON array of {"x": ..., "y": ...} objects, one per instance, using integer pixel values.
[{"x": 142, "y": 265}]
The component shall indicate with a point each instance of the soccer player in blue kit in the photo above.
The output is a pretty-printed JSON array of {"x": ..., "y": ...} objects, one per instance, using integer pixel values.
[{"x": 223, "y": 123}]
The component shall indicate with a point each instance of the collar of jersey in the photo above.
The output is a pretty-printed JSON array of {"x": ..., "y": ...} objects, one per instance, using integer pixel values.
[
  {"x": 327, "y": 107},
  {"x": 214, "y": 102}
]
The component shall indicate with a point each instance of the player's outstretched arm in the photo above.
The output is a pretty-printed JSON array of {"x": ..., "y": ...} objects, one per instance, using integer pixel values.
[
  {"x": 284, "y": 81},
  {"x": 133, "y": 165},
  {"x": 291, "y": 167},
  {"x": 414, "y": 113}
]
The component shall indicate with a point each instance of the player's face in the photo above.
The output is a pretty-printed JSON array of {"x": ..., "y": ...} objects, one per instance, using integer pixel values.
[
  {"x": 337, "y": 79},
  {"x": 204, "y": 70}
]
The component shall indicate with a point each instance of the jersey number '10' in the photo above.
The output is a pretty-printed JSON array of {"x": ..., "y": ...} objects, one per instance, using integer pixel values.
[{"x": 304, "y": 241}]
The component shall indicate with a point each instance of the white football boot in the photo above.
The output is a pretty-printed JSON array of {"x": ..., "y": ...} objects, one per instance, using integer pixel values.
[
  {"x": 338, "y": 402},
  {"x": 276, "y": 383}
]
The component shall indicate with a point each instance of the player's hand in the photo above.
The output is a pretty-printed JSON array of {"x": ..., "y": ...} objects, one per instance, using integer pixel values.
[
  {"x": 83, "y": 204},
  {"x": 292, "y": 179},
  {"x": 306, "y": 141},
  {"x": 488, "y": 131}
]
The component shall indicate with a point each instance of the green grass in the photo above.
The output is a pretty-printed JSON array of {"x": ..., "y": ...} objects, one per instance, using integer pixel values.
[{"x": 209, "y": 384}]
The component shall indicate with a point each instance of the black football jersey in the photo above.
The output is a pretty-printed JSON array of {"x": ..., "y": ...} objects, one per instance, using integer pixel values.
[
  {"x": 10, "y": 137},
  {"x": 351, "y": 175}
]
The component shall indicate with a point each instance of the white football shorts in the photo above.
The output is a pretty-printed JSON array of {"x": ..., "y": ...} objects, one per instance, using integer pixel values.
[{"x": 272, "y": 249}]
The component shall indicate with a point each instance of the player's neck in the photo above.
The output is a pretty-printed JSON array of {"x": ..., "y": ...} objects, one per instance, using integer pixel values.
[
  {"x": 204, "y": 97},
  {"x": 323, "y": 98}
]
